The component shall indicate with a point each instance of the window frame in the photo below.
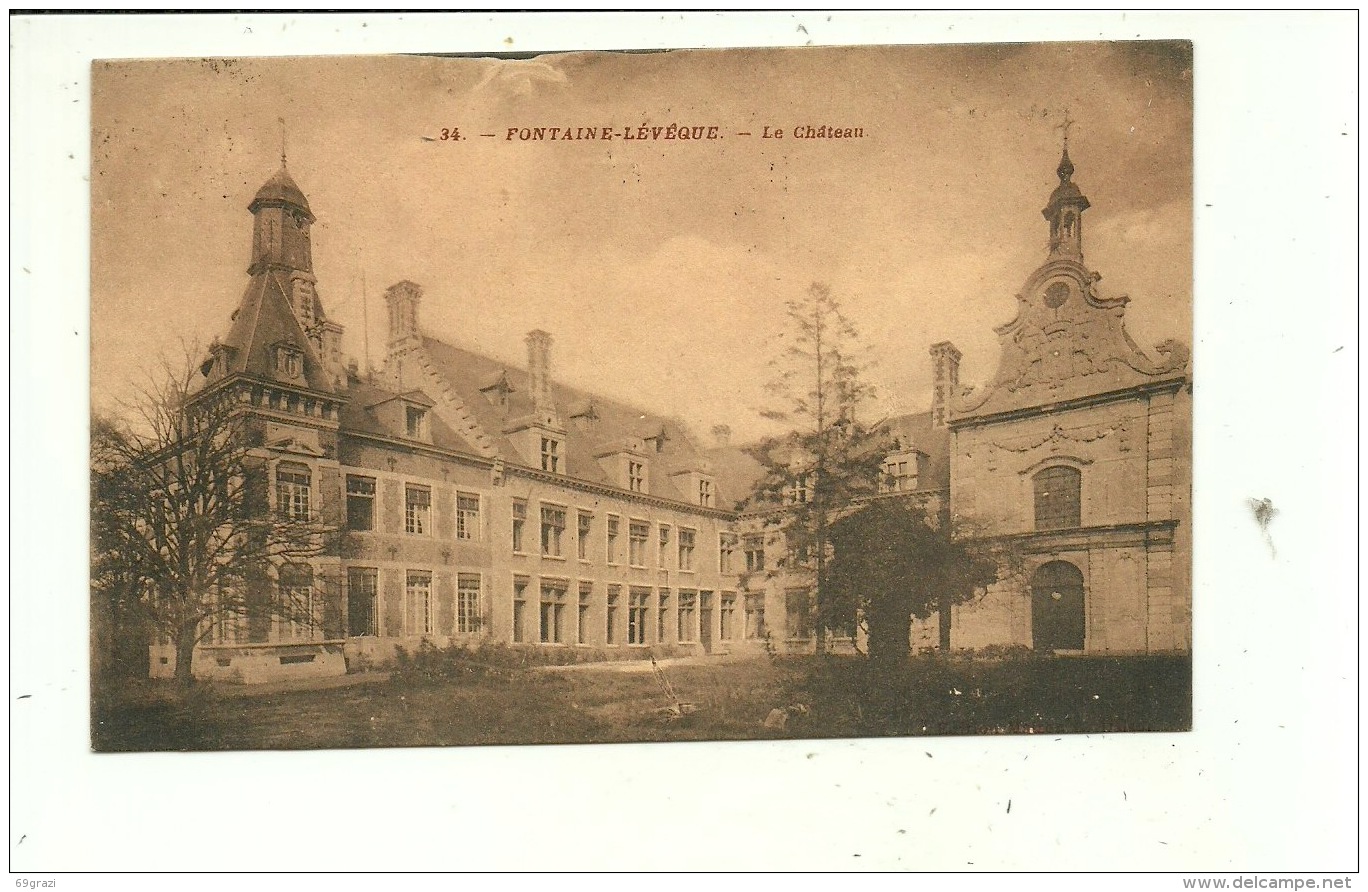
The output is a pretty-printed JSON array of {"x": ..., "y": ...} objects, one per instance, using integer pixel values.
[
  {"x": 552, "y": 545},
  {"x": 636, "y": 543},
  {"x": 554, "y": 593},
  {"x": 294, "y": 499},
  {"x": 1057, "y": 508},
  {"x": 518, "y": 530},
  {"x": 468, "y": 523},
  {"x": 469, "y": 610},
  {"x": 519, "y": 617},
  {"x": 584, "y": 530},
  {"x": 550, "y": 454},
  {"x": 613, "y": 531},
  {"x": 686, "y": 611},
  {"x": 689, "y": 535},
  {"x": 372, "y": 597},
  {"x": 416, "y": 524},
  {"x": 361, "y": 497},
  {"x": 425, "y": 623}
]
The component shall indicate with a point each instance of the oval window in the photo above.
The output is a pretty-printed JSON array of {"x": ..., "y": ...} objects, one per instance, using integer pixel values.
[{"x": 1056, "y": 295}]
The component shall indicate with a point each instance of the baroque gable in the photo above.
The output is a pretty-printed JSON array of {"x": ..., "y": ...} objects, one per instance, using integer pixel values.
[{"x": 1067, "y": 342}]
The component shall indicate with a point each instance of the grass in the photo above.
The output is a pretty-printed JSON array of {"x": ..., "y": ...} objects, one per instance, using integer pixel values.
[{"x": 489, "y": 704}]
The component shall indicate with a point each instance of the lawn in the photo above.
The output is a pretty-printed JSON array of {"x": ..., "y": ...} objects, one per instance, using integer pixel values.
[{"x": 840, "y": 697}]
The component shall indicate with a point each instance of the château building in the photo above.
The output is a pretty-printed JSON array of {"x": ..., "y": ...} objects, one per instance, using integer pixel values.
[{"x": 480, "y": 500}]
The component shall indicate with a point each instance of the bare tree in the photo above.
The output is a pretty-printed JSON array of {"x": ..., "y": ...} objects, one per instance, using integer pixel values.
[
  {"x": 831, "y": 457},
  {"x": 183, "y": 534}
]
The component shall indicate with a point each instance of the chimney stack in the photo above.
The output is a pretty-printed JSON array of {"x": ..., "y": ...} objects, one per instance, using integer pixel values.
[
  {"x": 539, "y": 370},
  {"x": 402, "y": 299},
  {"x": 721, "y": 436},
  {"x": 945, "y": 360}
]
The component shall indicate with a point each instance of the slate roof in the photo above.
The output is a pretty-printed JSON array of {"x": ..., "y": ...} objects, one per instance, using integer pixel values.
[
  {"x": 281, "y": 187},
  {"x": 915, "y": 431},
  {"x": 262, "y": 321},
  {"x": 618, "y": 425},
  {"x": 358, "y": 416}
]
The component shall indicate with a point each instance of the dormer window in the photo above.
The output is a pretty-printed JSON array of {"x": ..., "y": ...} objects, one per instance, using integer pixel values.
[
  {"x": 705, "y": 493},
  {"x": 289, "y": 360},
  {"x": 636, "y": 476},
  {"x": 550, "y": 455},
  {"x": 416, "y": 422}
]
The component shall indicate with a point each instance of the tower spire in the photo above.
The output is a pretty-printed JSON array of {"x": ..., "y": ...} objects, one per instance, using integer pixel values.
[{"x": 1067, "y": 204}]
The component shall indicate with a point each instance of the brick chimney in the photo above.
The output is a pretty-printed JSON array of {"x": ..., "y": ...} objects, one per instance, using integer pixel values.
[
  {"x": 405, "y": 337},
  {"x": 945, "y": 360},
  {"x": 539, "y": 372},
  {"x": 403, "y": 299}
]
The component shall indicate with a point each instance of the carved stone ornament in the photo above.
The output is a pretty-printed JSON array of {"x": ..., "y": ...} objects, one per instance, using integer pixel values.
[{"x": 1067, "y": 342}]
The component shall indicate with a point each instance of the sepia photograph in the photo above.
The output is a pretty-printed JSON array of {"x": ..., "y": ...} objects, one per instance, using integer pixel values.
[
  {"x": 683, "y": 442},
  {"x": 615, "y": 397}
]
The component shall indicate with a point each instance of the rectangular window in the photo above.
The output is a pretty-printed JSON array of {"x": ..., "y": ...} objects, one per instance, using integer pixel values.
[
  {"x": 467, "y": 516},
  {"x": 417, "y": 510},
  {"x": 755, "y": 617},
  {"x": 361, "y": 597},
  {"x": 292, "y": 492},
  {"x": 662, "y": 615},
  {"x": 638, "y": 533},
  {"x": 550, "y": 455},
  {"x": 688, "y": 615},
  {"x": 728, "y": 617},
  {"x": 755, "y": 553},
  {"x": 636, "y": 476},
  {"x": 519, "y": 609},
  {"x": 798, "y": 607},
  {"x": 553, "y": 612},
  {"x": 586, "y": 594},
  {"x": 519, "y": 522},
  {"x": 416, "y": 422},
  {"x": 726, "y": 548},
  {"x": 638, "y": 608},
  {"x": 552, "y": 529},
  {"x": 299, "y": 604},
  {"x": 686, "y": 550},
  {"x": 423, "y": 618},
  {"x": 613, "y": 523},
  {"x": 614, "y": 605},
  {"x": 586, "y": 528},
  {"x": 705, "y": 493},
  {"x": 664, "y": 544},
  {"x": 468, "y": 619},
  {"x": 360, "y": 503}
]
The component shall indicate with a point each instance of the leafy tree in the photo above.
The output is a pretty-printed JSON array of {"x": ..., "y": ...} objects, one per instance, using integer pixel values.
[
  {"x": 182, "y": 532},
  {"x": 893, "y": 560},
  {"x": 831, "y": 457}
]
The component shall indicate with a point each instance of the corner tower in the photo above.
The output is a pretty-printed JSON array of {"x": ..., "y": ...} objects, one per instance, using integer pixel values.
[{"x": 280, "y": 333}]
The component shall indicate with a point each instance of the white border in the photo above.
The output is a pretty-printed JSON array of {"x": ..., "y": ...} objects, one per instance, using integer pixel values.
[{"x": 1267, "y": 782}]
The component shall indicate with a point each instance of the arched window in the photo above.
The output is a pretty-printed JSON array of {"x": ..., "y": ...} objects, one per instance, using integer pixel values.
[{"x": 1057, "y": 498}]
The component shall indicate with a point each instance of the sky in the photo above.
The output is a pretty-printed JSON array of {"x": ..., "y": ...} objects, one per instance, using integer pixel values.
[{"x": 661, "y": 268}]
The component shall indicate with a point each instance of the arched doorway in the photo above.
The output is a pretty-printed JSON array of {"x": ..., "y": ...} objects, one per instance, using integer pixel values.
[{"x": 1057, "y": 607}]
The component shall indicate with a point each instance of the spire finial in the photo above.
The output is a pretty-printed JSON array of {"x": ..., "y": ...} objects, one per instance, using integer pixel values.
[
  {"x": 282, "y": 141},
  {"x": 1066, "y": 168}
]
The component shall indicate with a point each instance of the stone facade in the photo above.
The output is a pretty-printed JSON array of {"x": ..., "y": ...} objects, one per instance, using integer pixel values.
[
  {"x": 1078, "y": 456},
  {"x": 476, "y": 500}
]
